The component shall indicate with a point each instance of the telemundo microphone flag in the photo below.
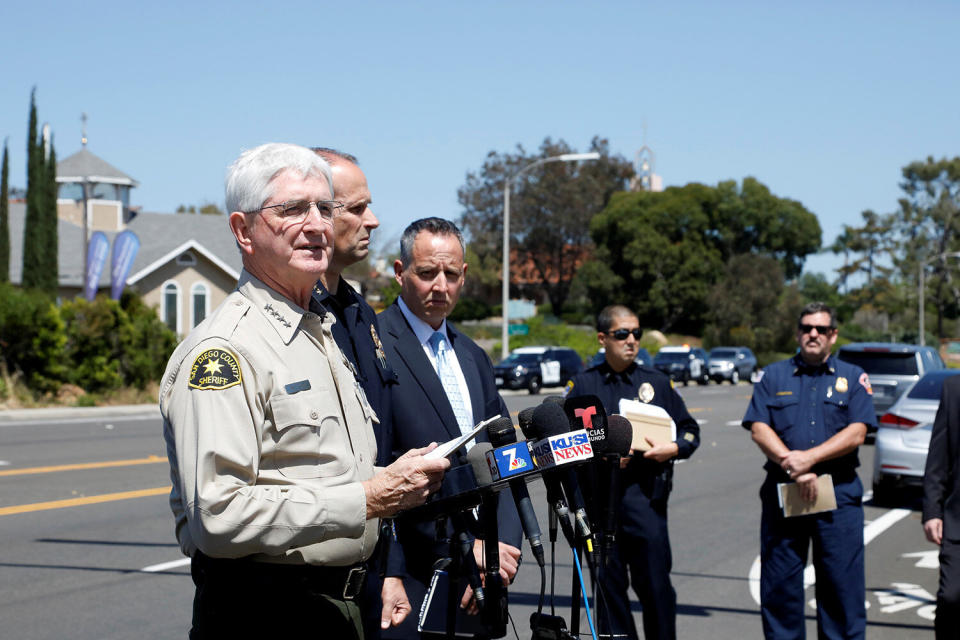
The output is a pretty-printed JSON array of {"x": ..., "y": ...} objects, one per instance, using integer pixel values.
[
  {"x": 97, "y": 250},
  {"x": 125, "y": 247}
]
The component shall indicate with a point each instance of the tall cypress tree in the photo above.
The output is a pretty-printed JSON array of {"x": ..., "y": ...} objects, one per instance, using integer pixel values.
[
  {"x": 5, "y": 217},
  {"x": 32, "y": 223},
  {"x": 50, "y": 269}
]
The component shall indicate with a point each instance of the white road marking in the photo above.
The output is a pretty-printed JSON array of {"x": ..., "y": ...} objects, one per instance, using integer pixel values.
[
  {"x": 4, "y": 463},
  {"x": 928, "y": 559},
  {"x": 870, "y": 531},
  {"x": 163, "y": 566},
  {"x": 734, "y": 423}
]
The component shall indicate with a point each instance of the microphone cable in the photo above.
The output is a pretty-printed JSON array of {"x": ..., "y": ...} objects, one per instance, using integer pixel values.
[{"x": 583, "y": 590}]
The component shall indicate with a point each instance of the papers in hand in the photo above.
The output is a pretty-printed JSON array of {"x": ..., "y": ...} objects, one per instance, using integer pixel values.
[
  {"x": 648, "y": 421},
  {"x": 792, "y": 502},
  {"x": 445, "y": 449}
]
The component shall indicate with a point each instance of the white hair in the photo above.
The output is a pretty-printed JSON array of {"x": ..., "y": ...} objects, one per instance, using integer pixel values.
[{"x": 249, "y": 178}]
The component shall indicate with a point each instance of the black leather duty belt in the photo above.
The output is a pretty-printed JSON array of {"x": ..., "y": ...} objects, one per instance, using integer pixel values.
[{"x": 345, "y": 583}]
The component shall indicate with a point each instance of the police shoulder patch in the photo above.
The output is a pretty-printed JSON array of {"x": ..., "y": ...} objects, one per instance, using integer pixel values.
[
  {"x": 214, "y": 369},
  {"x": 567, "y": 389}
]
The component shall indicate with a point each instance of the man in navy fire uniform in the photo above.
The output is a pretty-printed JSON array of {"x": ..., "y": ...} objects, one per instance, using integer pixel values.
[
  {"x": 642, "y": 539},
  {"x": 809, "y": 414}
]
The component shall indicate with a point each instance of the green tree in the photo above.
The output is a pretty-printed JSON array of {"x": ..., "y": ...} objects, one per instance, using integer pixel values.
[
  {"x": 929, "y": 227},
  {"x": 40, "y": 266},
  {"x": 741, "y": 301},
  {"x": 33, "y": 222},
  {"x": 50, "y": 271},
  {"x": 868, "y": 244},
  {"x": 31, "y": 337},
  {"x": 207, "y": 208},
  {"x": 662, "y": 253},
  {"x": 551, "y": 207},
  {"x": 5, "y": 217}
]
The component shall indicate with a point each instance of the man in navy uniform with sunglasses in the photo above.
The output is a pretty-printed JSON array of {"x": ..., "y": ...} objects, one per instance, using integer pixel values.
[
  {"x": 808, "y": 415},
  {"x": 642, "y": 539}
]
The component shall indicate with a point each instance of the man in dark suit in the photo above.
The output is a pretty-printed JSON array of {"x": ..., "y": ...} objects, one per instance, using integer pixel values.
[
  {"x": 446, "y": 385},
  {"x": 941, "y": 506}
]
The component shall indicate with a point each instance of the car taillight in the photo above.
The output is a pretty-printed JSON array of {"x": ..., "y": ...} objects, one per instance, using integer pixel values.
[{"x": 893, "y": 420}]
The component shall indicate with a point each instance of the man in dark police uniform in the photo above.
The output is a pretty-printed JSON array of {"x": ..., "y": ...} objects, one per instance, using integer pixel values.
[
  {"x": 642, "y": 539},
  {"x": 357, "y": 333},
  {"x": 809, "y": 414}
]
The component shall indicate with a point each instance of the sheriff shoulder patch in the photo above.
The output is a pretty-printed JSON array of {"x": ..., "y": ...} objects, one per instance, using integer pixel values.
[{"x": 214, "y": 369}]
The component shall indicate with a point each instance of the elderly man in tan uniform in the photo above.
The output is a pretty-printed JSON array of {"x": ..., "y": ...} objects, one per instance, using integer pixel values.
[{"x": 269, "y": 434}]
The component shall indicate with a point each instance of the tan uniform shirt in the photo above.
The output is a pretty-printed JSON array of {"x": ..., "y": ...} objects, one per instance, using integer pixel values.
[{"x": 269, "y": 436}]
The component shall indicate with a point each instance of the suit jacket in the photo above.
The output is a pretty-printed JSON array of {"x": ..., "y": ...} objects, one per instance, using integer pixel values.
[
  {"x": 941, "y": 477},
  {"x": 421, "y": 414}
]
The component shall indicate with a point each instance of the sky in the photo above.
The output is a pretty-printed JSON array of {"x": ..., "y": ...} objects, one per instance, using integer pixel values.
[{"x": 824, "y": 102}]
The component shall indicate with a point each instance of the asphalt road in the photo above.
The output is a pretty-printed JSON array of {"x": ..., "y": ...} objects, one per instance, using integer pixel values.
[{"x": 87, "y": 548}]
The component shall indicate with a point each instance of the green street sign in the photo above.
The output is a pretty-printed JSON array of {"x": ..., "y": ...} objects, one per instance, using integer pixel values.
[{"x": 518, "y": 329}]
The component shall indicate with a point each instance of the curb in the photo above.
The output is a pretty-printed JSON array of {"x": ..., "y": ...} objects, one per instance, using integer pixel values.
[{"x": 52, "y": 413}]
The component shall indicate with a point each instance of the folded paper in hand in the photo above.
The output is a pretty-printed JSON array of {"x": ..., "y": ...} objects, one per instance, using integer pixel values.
[
  {"x": 793, "y": 504},
  {"x": 648, "y": 421},
  {"x": 447, "y": 448}
]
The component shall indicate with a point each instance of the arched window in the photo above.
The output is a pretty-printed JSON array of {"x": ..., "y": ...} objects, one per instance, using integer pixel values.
[
  {"x": 170, "y": 309},
  {"x": 199, "y": 303}
]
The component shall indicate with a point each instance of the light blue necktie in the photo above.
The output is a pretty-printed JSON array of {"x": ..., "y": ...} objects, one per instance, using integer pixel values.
[{"x": 448, "y": 378}]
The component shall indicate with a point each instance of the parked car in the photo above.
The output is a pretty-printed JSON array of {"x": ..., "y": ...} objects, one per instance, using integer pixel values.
[
  {"x": 903, "y": 438},
  {"x": 732, "y": 364},
  {"x": 683, "y": 364},
  {"x": 643, "y": 357},
  {"x": 532, "y": 368},
  {"x": 892, "y": 367}
]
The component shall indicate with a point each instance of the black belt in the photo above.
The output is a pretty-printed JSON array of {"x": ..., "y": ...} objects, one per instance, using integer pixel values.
[{"x": 344, "y": 583}]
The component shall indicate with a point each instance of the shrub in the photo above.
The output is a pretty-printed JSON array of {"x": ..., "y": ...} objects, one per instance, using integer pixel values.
[{"x": 31, "y": 337}]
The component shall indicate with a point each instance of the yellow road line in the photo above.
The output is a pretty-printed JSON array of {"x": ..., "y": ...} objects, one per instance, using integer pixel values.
[
  {"x": 79, "y": 502},
  {"x": 85, "y": 465}
]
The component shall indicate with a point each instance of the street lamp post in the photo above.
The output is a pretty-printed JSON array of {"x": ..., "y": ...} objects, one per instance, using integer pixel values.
[
  {"x": 566, "y": 157},
  {"x": 921, "y": 291}
]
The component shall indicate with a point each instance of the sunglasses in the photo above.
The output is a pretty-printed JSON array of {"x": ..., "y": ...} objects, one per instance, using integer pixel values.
[
  {"x": 622, "y": 334},
  {"x": 821, "y": 328}
]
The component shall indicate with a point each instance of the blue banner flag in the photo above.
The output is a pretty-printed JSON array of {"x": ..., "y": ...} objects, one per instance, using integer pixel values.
[
  {"x": 97, "y": 250},
  {"x": 125, "y": 247}
]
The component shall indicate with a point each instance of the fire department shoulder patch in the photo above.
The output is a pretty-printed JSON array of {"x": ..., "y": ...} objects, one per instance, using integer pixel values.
[
  {"x": 865, "y": 382},
  {"x": 214, "y": 369}
]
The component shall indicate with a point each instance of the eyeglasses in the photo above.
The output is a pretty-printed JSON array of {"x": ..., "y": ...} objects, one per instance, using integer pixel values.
[
  {"x": 297, "y": 210},
  {"x": 622, "y": 334},
  {"x": 821, "y": 328}
]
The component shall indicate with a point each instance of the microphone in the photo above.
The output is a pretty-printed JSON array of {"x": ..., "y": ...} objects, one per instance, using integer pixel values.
[
  {"x": 549, "y": 419},
  {"x": 502, "y": 434},
  {"x": 615, "y": 446},
  {"x": 495, "y": 614}
]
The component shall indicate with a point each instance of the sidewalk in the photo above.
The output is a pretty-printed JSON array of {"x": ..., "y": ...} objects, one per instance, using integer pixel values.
[{"x": 53, "y": 413}]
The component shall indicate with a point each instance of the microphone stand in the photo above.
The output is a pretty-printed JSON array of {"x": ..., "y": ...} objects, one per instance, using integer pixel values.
[{"x": 494, "y": 614}]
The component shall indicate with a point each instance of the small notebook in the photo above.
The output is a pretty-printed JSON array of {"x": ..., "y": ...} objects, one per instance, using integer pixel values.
[{"x": 793, "y": 504}]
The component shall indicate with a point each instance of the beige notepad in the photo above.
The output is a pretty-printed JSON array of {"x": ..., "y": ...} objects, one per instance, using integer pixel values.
[
  {"x": 793, "y": 504},
  {"x": 648, "y": 421}
]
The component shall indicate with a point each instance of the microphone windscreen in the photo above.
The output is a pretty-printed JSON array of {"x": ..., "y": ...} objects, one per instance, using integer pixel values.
[
  {"x": 555, "y": 399},
  {"x": 524, "y": 419},
  {"x": 501, "y": 432},
  {"x": 549, "y": 420},
  {"x": 585, "y": 412},
  {"x": 619, "y": 435},
  {"x": 477, "y": 457}
]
